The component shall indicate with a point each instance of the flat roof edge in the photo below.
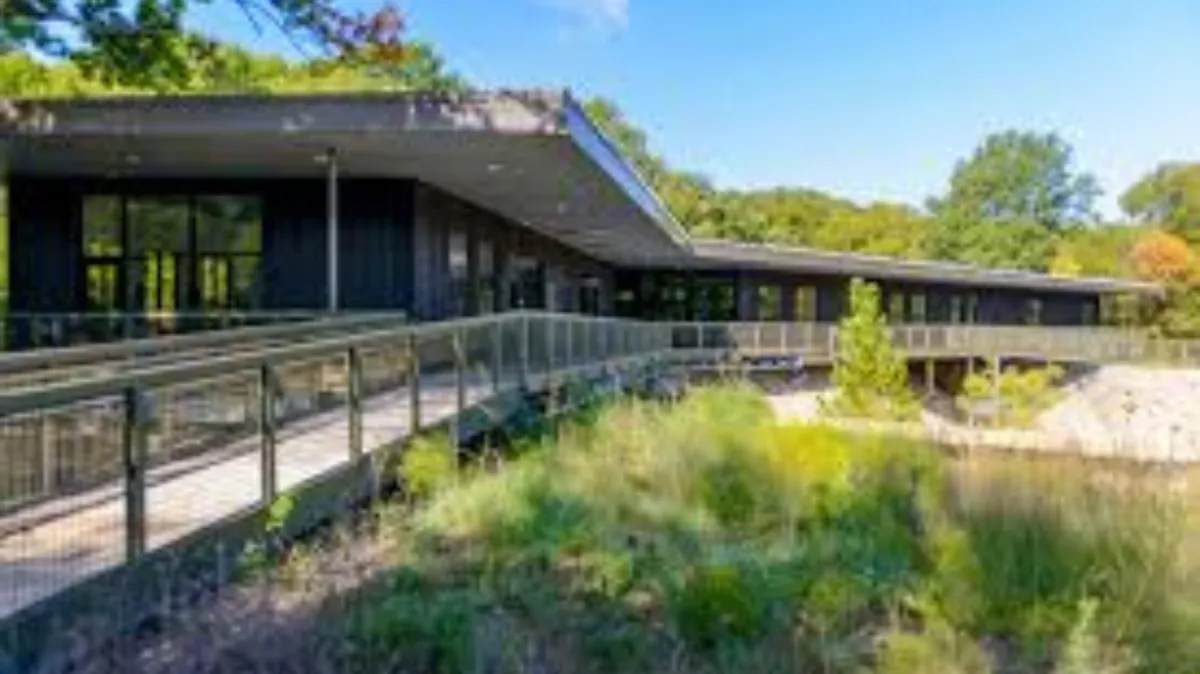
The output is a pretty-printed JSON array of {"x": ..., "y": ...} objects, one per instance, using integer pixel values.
[
  {"x": 604, "y": 152},
  {"x": 515, "y": 111},
  {"x": 854, "y": 264}
]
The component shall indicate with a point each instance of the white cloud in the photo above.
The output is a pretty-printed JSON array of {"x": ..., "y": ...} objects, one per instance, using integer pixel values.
[{"x": 607, "y": 14}]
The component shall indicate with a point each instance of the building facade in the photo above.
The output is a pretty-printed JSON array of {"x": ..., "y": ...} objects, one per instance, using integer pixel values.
[{"x": 435, "y": 207}]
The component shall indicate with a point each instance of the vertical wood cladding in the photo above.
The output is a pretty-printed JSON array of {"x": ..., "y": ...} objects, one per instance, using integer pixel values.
[
  {"x": 438, "y": 212},
  {"x": 394, "y": 254},
  {"x": 44, "y": 248}
]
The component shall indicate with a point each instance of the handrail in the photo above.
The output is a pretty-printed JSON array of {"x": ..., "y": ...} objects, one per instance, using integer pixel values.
[
  {"x": 819, "y": 340},
  {"x": 155, "y": 434},
  {"x": 85, "y": 354},
  {"x": 16, "y": 401}
]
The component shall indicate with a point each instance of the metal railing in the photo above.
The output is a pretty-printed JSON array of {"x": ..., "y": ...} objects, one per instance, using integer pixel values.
[
  {"x": 817, "y": 342},
  {"x": 99, "y": 471},
  {"x": 41, "y": 330},
  {"x": 33, "y": 367}
]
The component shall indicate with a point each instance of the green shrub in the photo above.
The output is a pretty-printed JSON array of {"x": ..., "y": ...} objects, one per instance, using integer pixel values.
[
  {"x": 1020, "y": 395},
  {"x": 428, "y": 466},
  {"x": 869, "y": 373},
  {"x": 704, "y": 536}
]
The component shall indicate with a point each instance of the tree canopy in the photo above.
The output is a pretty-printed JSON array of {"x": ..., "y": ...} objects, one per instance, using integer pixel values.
[
  {"x": 146, "y": 44},
  {"x": 1017, "y": 200},
  {"x": 1168, "y": 196}
]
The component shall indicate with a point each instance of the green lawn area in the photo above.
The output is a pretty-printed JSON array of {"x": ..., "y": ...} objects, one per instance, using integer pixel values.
[{"x": 705, "y": 537}]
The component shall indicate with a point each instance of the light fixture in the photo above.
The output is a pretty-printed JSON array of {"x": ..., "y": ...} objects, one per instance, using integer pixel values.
[{"x": 495, "y": 167}]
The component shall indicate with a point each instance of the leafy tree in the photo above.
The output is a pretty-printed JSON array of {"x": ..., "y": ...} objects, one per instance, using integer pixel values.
[
  {"x": 1016, "y": 176},
  {"x": 869, "y": 373},
  {"x": 1163, "y": 257},
  {"x": 1168, "y": 197},
  {"x": 146, "y": 44},
  {"x": 1095, "y": 251},
  {"x": 1008, "y": 200}
]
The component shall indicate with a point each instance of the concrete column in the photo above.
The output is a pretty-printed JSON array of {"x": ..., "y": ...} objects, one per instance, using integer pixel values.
[
  {"x": 331, "y": 221},
  {"x": 930, "y": 378},
  {"x": 747, "y": 298},
  {"x": 787, "y": 299}
]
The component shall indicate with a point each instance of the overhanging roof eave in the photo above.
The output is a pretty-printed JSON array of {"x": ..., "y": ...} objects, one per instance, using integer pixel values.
[
  {"x": 592, "y": 141},
  {"x": 783, "y": 258}
]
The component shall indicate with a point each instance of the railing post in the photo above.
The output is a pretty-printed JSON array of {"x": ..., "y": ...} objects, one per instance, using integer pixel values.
[
  {"x": 460, "y": 384},
  {"x": 354, "y": 401},
  {"x": 523, "y": 357},
  {"x": 414, "y": 383},
  {"x": 551, "y": 351},
  {"x": 49, "y": 454},
  {"x": 570, "y": 345},
  {"x": 497, "y": 353},
  {"x": 134, "y": 449},
  {"x": 266, "y": 432}
]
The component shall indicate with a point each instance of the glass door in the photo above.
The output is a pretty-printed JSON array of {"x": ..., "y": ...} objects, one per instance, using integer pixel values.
[{"x": 158, "y": 259}]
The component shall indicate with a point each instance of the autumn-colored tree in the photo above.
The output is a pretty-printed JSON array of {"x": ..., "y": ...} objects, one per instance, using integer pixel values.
[{"x": 1164, "y": 257}]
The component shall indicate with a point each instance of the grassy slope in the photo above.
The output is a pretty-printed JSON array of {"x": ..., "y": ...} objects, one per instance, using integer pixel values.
[{"x": 706, "y": 538}]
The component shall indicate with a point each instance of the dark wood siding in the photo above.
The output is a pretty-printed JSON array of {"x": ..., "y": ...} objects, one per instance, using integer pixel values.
[
  {"x": 438, "y": 212},
  {"x": 44, "y": 250}
]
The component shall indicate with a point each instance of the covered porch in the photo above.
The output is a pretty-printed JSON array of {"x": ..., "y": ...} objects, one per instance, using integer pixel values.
[{"x": 144, "y": 216}]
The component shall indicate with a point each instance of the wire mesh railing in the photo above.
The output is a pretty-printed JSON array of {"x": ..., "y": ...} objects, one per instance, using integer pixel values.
[
  {"x": 97, "y": 472},
  {"x": 30, "y": 368},
  {"x": 818, "y": 342}
]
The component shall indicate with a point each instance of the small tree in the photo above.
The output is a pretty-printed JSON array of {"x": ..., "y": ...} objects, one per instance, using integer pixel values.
[{"x": 869, "y": 373}]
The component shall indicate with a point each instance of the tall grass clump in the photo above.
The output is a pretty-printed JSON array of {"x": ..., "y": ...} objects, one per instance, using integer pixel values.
[{"x": 703, "y": 536}]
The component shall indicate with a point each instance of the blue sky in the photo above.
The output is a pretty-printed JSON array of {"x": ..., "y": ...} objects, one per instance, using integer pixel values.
[{"x": 865, "y": 98}]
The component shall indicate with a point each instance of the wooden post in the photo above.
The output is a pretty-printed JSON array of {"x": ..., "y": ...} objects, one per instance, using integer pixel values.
[
  {"x": 266, "y": 432},
  {"x": 46, "y": 437},
  {"x": 134, "y": 449},
  {"x": 523, "y": 357},
  {"x": 414, "y": 383},
  {"x": 996, "y": 390},
  {"x": 497, "y": 353},
  {"x": 354, "y": 402},
  {"x": 460, "y": 385}
]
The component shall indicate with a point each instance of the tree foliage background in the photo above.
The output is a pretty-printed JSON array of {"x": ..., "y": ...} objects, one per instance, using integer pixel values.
[{"x": 1016, "y": 200}]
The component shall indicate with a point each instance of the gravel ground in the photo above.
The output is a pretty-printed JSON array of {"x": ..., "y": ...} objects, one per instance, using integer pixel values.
[{"x": 1126, "y": 411}]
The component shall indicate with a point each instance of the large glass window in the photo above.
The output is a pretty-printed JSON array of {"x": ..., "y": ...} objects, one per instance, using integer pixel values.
[
  {"x": 1033, "y": 311},
  {"x": 167, "y": 254},
  {"x": 716, "y": 299},
  {"x": 956, "y": 309},
  {"x": 589, "y": 296},
  {"x": 895, "y": 312},
  {"x": 459, "y": 273},
  {"x": 102, "y": 251},
  {"x": 770, "y": 303},
  {"x": 972, "y": 313},
  {"x": 806, "y": 304},
  {"x": 229, "y": 252},
  {"x": 527, "y": 291},
  {"x": 485, "y": 284},
  {"x": 917, "y": 308}
]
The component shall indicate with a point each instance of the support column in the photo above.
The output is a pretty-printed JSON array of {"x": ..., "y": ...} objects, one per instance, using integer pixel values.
[
  {"x": 331, "y": 217},
  {"x": 930, "y": 378},
  {"x": 996, "y": 390},
  {"x": 747, "y": 297}
]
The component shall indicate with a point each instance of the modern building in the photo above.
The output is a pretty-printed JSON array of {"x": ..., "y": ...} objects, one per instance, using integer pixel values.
[{"x": 435, "y": 205}]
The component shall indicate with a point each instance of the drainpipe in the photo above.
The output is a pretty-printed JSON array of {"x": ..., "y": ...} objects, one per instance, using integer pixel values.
[{"x": 331, "y": 216}]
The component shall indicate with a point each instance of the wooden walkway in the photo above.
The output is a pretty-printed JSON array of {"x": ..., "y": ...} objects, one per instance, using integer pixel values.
[{"x": 57, "y": 544}]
